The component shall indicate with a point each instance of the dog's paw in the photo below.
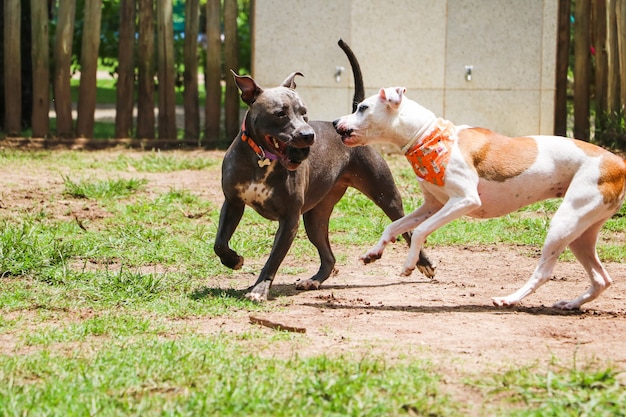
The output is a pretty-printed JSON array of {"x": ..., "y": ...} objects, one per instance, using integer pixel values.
[
  {"x": 502, "y": 302},
  {"x": 233, "y": 262},
  {"x": 370, "y": 257},
  {"x": 428, "y": 270},
  {"x": 406, "y": 271},
  {"x": 259, "y": 292},
  {"x": 566, "y": 305},
  {"x": 308, "y": 285}
]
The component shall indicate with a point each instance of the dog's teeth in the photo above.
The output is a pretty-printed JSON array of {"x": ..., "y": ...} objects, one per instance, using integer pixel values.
[{"x": 275, "y": 143}]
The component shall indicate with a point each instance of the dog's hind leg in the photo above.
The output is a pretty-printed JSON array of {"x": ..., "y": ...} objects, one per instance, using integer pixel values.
[
  {"x": 584, "y": 248},
  {"x": 578, "y": 219}
]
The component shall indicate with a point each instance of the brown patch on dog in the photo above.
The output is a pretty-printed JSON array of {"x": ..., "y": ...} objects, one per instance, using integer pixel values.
[
  {"x": 496, "y": 157},
  {"x": 589, "y": 149},
  {"x": 612, "y": 181}
]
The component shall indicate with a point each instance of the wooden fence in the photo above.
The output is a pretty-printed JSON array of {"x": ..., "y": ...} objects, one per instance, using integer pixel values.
[
  {"x": 591, "y": 46},
  {"x": 597, "y": 29},
  {"x": 137, "y": 75}
]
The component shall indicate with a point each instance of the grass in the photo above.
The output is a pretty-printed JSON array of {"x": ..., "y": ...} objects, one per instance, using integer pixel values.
[
  {"x": 560, "y": 390},
  {"x": 210, "y": 376},
  {"x": 104, "y": 189},
  {"x": 100, "y": 316}
]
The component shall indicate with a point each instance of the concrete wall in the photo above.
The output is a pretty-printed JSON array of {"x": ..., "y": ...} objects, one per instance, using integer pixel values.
[{"x": 424, "y": 45}]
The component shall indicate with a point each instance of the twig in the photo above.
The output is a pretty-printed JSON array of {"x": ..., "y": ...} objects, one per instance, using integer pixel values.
[
  {"x": 278, "y": 326},
  {"x": 80, "y": 223}
]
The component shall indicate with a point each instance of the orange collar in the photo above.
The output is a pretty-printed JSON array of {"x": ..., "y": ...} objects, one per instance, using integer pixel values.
[
  {"x": 264, "y": 157},
  {"x": 429, "y": 156}
]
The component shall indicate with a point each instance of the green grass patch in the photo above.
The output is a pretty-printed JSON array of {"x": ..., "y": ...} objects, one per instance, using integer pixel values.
[
  {"x": 104, "y": 189},
  {"x": 557, "y": 390},
  {"x": 210, "y": 376},
  {"x": 156, "y": 161}
]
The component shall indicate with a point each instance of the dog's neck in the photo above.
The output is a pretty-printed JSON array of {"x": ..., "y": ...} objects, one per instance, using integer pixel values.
[
  {"x": 439, "y": 127},
  {"x": 261, "y": 153},
  {"x": 415, "y": 123}
]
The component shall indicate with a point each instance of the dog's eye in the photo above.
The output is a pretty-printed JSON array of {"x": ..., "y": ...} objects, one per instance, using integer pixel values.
[
  {"x": 362, "y": 108},
  {"x": 280, "y": 113}
]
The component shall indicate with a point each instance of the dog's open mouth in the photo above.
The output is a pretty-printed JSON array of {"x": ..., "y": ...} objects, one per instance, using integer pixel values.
[
  {"x": 347, "y": 137},
  {"x": 291, "y": 157}
]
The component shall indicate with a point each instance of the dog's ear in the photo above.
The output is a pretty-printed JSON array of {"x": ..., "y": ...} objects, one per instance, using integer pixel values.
[
  {"x": 250, "y": 90},
  {"x": 289, "y": 81},
  {"x": 392, "y": 96}
]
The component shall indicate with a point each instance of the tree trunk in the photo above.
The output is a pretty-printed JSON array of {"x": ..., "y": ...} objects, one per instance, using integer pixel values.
[
  {"x": 213, "y": 74},
  {"x": 613, "y": 83},
  {"x": 145, "y": 69},
  {"x": 582, "y": 69},
  {"x": 166, "y": 70},
  {"x": 601, "y": 70},
  {"x": 562, "y": 64},
  {"x": 62, "y": 59},
  {"x": 89, "y": 69},
  {"x": 231, "y": 99},
  {"x": 125, "y": 71},
  {"x": 12, "y": 68},
  {"x": 621, "y": 44},
  {"x": 192, "y": 111},
  {"x": 40, "y": 55}
]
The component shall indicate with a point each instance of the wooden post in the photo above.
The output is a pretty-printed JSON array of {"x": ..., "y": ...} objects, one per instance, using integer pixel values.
[
  {"x": 89, "y": 69},
  {"x": 613, "y": 83},
  {"x": 212, "y": 74},
  {"x": 166, "y": 70},
  {"x": 125, "y": 71},
  {"x": 40, "y": 55},
  {"x": 620, "y": 16},
  {"x": 231, "y": 99},
  {"x": 12, "y": 68},
  {"x": 601, "y": 69},
  {"x": 190, "y": 58},
  {"x": 145, "y": 70},
  {"x": 62, "y": 59},
  {"x": 562, "y": 64},
  {"x": 582, "y": 69}
]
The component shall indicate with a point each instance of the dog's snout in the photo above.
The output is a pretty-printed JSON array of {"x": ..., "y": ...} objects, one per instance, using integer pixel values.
[
  {"x": 341, "y": 128},
  {"x": 308, "y": 137}
]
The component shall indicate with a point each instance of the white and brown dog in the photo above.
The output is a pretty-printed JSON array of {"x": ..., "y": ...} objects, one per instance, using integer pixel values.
[{"x": 479, "y": 173}]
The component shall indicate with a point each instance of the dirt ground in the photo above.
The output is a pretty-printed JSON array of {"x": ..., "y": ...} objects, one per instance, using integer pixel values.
[{"x": 369, "y": 308}]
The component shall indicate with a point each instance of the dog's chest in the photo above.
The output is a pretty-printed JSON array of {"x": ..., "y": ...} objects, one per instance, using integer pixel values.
[{"x": 255, "y": 193}]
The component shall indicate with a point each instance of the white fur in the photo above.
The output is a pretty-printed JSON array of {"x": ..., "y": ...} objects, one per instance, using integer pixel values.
[{"x": 562, "y": 167}]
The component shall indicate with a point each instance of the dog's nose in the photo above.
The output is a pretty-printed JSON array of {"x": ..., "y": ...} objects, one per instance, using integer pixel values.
[
  {"x": 335, "y": 123},
  {"x": 308, "y": 137}
]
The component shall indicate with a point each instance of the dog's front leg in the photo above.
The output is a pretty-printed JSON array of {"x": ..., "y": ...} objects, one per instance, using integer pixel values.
[
  {"x": 287, "y": 230},
  {"x": 454, "y": 208},
  {"x": 230, "y": 216},
  {"x": 401, "y": 226}
]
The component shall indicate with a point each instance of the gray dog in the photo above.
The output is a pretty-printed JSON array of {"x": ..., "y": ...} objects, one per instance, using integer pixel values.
[{"x": 284, "y": 166}]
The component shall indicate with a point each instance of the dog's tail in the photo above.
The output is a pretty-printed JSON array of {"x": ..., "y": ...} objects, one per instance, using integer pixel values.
[{"x": 359, "y": 89}]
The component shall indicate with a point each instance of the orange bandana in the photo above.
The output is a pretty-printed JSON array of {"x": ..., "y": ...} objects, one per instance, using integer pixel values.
[{"x": 429, "y": 156}]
